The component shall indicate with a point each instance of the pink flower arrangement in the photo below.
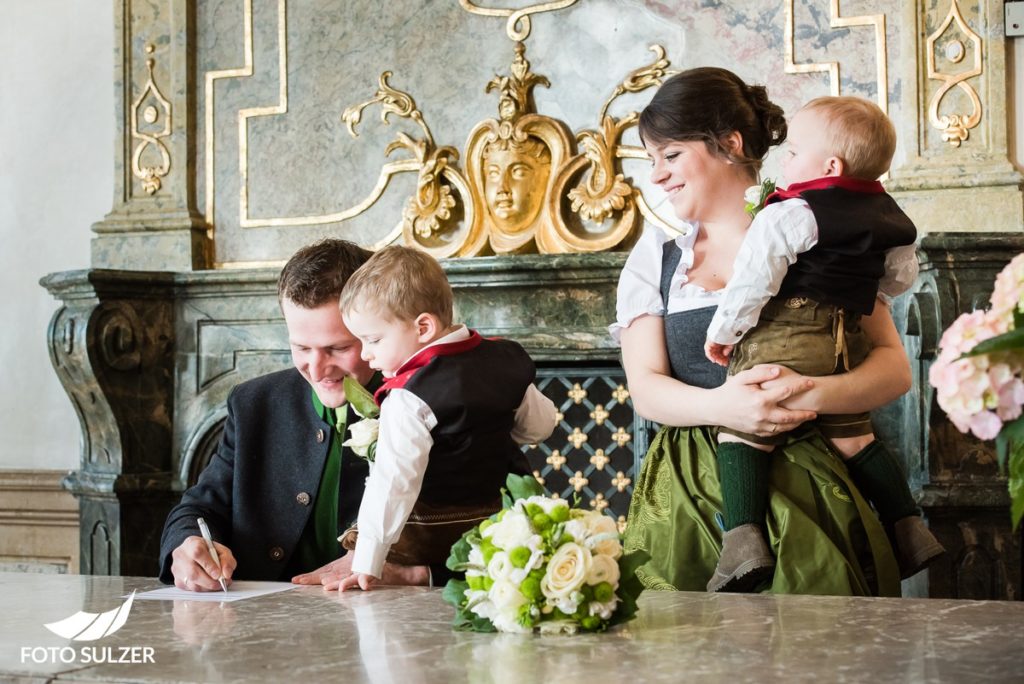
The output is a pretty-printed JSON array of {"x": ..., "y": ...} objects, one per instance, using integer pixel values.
[{"x": 977, "y": 376}]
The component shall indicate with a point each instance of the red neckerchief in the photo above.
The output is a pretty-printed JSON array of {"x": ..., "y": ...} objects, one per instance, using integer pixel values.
[
  {"x": 845, "y": 182},
  {"x": 421, "y": 359}
]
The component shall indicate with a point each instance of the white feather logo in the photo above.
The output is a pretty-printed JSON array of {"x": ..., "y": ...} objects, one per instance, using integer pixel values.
[{"x": 84, "y": 626}]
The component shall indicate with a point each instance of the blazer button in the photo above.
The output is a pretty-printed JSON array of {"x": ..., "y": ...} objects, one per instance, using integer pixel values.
[
  {"x": 302, "y": 498},
  {"x": 320, "y": 436},
  {"x": 276, "y": 553}
]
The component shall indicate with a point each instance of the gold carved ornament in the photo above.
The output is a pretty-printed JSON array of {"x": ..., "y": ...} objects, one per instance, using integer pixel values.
[
  {"x": 955, "y": 127},
  {"x": 518, "y": 25},
  {"x": 524, "y": 187},
  {"x": 431, "y": 207},
  {"x": 155, "y": 111}
]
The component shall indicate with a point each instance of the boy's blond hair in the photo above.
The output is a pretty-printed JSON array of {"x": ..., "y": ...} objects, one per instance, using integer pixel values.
[
  {"x": 400, "y": 283},
  {"x": 862, "y": 135}
]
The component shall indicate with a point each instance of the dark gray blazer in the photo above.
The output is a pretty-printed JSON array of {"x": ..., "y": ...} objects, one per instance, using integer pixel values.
[{"x": 259, "y": 489}]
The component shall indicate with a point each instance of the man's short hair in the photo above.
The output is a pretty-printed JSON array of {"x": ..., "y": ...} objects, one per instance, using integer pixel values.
[
  {"x": 863, "y": 135},
  {"x": 317, "y": 273},
  {"x": 400, "y": 283}
]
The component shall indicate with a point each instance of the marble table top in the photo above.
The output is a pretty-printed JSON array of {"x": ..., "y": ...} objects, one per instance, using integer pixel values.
[{"x": 403, "y": 635}]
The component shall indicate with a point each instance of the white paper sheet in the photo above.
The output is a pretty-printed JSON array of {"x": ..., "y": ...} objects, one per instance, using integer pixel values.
[{"x": 236, "y": 592}]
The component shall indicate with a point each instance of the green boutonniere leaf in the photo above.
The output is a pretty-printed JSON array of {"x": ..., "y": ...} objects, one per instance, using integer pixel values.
[{"x": 360, "y": 398}]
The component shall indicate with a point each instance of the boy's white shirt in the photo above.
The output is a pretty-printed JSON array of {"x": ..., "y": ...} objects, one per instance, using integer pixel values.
[
  {"x": 403, "y": 450},
  {"x": 779, "y": 234}
]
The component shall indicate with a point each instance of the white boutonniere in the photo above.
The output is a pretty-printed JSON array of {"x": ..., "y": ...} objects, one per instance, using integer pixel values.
[
  {"x": 756, "y": 195},
  {"x": 363, "y": 441}
]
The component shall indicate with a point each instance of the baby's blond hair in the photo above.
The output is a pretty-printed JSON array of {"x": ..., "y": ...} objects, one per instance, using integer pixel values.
[
  {"x": 400, "y": 283},
  {"x": 861, "y": 134}
]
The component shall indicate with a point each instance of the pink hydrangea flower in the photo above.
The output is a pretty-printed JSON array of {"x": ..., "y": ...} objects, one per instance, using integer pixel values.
[
  {"x": 981, "y": 393},
  {"x": 1008, "y": 293}
]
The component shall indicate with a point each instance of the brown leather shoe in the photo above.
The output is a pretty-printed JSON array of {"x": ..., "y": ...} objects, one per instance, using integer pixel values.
[
  {"x": 916, "y": 546},
  {"x": 745, "y": 563}
]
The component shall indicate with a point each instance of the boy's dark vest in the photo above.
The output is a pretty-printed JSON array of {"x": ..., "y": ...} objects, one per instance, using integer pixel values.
[
  {"x": 857, "y": 223},
  {"x": 474, "y": 387}
]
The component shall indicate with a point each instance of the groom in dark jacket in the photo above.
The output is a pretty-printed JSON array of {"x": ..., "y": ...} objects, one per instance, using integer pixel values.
[{"x": 281, "y": 486}]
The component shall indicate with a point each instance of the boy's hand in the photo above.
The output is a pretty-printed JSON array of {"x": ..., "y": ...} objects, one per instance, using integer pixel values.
[
  {"x": 718, "y": 353},
  {"x": 358, "y": 580}
]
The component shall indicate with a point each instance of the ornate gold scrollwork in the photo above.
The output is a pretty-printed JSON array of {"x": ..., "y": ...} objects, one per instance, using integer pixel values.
[
  {"x": 605, "y": 204},
  {"x": 524, "y": 188},
  {"x": 955, "y": 127},
  {"x": 427, "y": 220},
  {"x": 156, "y": 115},
  {"x": 518, "y": 25}
]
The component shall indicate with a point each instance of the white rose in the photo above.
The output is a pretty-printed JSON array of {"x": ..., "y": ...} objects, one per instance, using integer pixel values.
[
  {"x": 752, "y": 195},
  {"x": 364, "y": 434},
  {"x": 499, "y": 567},
  {"x": 566, "y": 572},
  {"x": 513, "y": 530},
  {"x": 577, "y": 529},
  {"x": 506, "y": 596},
  {"x": 602, "y": 535},
  {"x": 603, "y": 569},
  {"x": 507, "y": 600}
]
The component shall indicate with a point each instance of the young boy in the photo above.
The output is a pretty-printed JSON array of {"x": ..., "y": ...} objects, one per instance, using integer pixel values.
[
  {"x": 453, "y": 409},
  {"x": 813, "y": 262}
]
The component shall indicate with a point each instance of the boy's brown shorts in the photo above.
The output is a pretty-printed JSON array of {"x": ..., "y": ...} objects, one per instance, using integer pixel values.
[
  {"x": 812, "y": 339},
  {"x": 429, "y": 533}
]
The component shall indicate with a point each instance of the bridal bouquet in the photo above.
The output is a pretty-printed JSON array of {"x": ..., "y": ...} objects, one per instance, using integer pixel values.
[
  {"x": 977, "y": 376},
  {"x": 539, "y": 564}
]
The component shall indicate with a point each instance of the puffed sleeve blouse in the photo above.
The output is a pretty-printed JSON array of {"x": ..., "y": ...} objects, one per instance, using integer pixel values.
[{"x": 639, "y": 291}]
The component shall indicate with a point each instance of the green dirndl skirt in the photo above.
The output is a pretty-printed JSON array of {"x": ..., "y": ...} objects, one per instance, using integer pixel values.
[{"x": 825, "y": 536}]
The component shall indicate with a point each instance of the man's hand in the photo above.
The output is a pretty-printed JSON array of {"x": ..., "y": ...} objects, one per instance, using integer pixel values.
[
  {"x": 329, "y": 575},
  {"x": 718, "y": 353},
  {"x": 358, "y": 580},
  {"x": 193, "y": 567}
]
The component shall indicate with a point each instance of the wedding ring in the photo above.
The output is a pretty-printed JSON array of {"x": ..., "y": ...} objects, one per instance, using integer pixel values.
[{"x": 775, "y": 427}]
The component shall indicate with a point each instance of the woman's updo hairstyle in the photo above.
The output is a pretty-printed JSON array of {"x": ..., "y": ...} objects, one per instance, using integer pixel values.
[{"x": 708, "y": 104}]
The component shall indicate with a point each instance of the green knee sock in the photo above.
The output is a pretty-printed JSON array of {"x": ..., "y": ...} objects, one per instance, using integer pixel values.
[
  {"x": 743, "y": 472},
  {"x": 880, "y": 478}
]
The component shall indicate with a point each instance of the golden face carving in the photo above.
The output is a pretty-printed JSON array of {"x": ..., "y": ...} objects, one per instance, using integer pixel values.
[{"x": 515, "y": 181}]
